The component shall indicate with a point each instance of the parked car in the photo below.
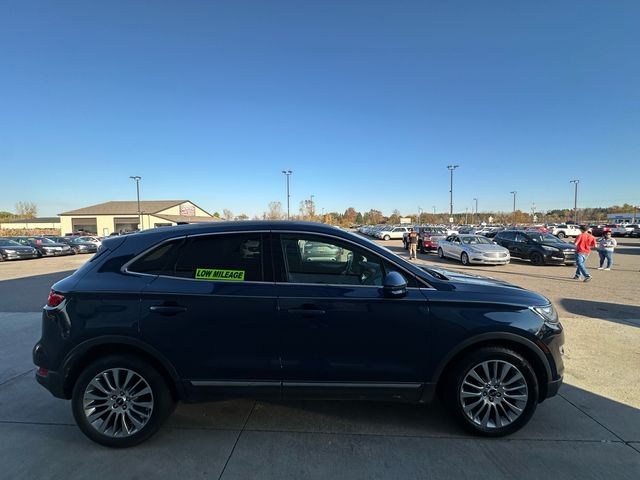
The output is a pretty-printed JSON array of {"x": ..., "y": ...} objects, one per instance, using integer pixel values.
[
  {"x": 566, "y": 230},
  {"x": 90, "y": 239},
  {"x": 392, "y": 233},
  {"x": 77, "y": 244},
  {"x": 636, "y": 230},
  {"x": 183, "y": 313},
  {"x": 599, "y": 230},
  {"x": 540, "y": 248},
  {"x": 428, "y": 238},
  {"x": 12, "y": 250},
  {"x": 44, "y": 246},
  {"x": 473, "y": 249},
  {"x": 623, "y": 230}
]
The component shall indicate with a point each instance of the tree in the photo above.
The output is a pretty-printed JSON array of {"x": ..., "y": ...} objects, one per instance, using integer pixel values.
[
  {"x": 274, "y": 212},
  {"x": 6, "y": 215},
  {"x": 227, "y": 214},
  {"x": 350, "y": 216},
  {"x": 242, "y": 216},
  {"x": 216, "y": 214},
  {"x": 359, "y": 219},
  {"x": 373, "y": 216},
  {"x": 26, "y": 209},
  {"x": 395, "y": 217}
]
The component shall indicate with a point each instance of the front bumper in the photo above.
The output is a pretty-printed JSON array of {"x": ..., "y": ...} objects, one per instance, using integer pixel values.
[{"x": 18, "y": 256}]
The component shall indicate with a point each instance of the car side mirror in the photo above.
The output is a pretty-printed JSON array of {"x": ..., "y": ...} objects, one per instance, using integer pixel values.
[{"x": 394, "y": 285}]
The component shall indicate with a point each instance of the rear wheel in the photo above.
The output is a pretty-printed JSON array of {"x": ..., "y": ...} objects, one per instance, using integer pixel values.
[
  {"x": 492, "y": 391},
  {"x": 120, "y": 401},
  {"x": 537, "y": 258},
  {"x": 421, "y": 247},
  {"x": 464, "y": 258},
  {"x": 406, "y": 245}
]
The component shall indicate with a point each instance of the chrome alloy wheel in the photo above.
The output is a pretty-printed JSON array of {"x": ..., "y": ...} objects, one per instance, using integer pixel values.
[
  {"x": 118, "y": 402},
  {"x": 493, "y": 394}
]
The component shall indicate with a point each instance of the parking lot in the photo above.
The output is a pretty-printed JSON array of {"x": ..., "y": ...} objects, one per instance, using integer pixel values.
[{"x": 590, "y": 430}]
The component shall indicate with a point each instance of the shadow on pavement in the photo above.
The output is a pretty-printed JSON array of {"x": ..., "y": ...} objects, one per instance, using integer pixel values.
[
  {"x": 28, "y": 294},
  {"x": 611, "y": 312}
]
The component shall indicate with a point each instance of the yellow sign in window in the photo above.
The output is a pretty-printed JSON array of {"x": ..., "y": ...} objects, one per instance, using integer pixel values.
[{"x": 218, "y": 274}]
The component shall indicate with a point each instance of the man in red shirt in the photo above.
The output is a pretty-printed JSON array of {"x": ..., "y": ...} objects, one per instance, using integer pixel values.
[{"x": 583, "y": 242}]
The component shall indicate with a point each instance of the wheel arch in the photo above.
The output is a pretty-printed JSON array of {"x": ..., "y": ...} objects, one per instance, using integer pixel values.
[
  {"x": 91, "y": 350},
  {"x": 528, "y": 349}
]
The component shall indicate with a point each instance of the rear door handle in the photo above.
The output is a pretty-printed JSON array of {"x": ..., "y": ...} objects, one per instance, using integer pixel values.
[
  {"x": 306, "y": 311},
  {"x": 168, "y": 309}
]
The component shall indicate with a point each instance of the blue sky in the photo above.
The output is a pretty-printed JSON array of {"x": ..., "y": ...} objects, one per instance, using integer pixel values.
[{"x": 366, "y": 101}]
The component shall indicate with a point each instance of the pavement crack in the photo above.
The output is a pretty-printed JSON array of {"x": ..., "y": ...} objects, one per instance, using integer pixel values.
[
  {"x": 237, "y": 439},
  {"x": 16, "y": 376}
]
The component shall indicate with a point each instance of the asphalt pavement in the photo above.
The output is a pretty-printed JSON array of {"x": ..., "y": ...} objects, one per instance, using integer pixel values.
[{"x": 576, "y": 435}]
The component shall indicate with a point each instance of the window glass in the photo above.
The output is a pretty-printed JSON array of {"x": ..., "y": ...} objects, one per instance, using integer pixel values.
[
  {"x": 520, "y": 238},
  {"x": 225, "y": 257},
  {"x": 316, "y": 259},
  {"x": 154, "y": 261},
  {"x": 506, "y": 235}
]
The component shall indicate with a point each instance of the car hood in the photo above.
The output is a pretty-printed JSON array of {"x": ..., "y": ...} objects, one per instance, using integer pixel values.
[
  {"x": 561, "y": 246},
  {"x": 508, "y": 292}
]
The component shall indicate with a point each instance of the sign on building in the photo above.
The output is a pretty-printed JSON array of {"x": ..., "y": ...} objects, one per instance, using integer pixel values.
[{"x": 187, "y": 210}]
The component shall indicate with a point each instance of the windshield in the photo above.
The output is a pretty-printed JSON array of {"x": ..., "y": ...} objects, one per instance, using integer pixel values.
[
  {"x": 544, "y": 238},
  {"x": 4, "y": 242},
  {"x": 476, "y": 240}
]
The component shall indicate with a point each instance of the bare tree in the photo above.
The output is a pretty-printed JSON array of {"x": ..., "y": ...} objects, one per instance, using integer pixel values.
[
  {"x": 26, "y": 209},
  {"x": 242, "y": 216},
  {"x": 274, "y": 212},
  {"x": 227, "y": 214}
]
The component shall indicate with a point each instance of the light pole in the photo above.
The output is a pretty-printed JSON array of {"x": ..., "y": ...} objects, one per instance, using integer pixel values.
[
  {"x": 419, "y": 215},
  {"x": 476, "y": 214},
  {"x": 137, "y": 179},
  {"x": 451, "y": 169},
  {"x": 514, "y": 193},
  {"x": 312, "y": 211},
  {"x": 575, "y": 200},
  {"x": 288, "y": 174}
]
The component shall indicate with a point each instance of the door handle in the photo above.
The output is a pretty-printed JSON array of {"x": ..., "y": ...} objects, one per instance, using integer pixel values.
[
  {"x": 306, "y": 311},
  {"x": 168, "y": 309}
]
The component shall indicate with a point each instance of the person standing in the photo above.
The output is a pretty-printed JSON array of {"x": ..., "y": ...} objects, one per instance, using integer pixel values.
[
  {"x": 606, "y": 246},
  {"x": 412, "y": 241},
  {"x": 583, "y": 242}
]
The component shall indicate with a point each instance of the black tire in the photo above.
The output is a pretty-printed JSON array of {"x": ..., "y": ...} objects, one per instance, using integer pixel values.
[
  {"x": 453, "y": 386},
  {"x": 464, "y": 258},
  {"x": 440, "y": 252},
  {"x": 386, "y": 237},
  {"x": 421, "y": 247},
  {"x": 406, "y": 245},
  {"x": 537, "y": 258},
  {"x": 561, "y": 235},
  {"x": 163, "y": 402}
]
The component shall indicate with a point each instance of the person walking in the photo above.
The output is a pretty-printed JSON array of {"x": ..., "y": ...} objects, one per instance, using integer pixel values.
[
  {"x": 412, "y": 241},
  {"x": 583, "y": 242},
  {"x": 606, "y": 245}
]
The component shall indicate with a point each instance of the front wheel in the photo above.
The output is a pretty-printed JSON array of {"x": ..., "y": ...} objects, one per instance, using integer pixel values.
[
  {"x": 537, "y": 258},
  {"x": 561, "y": 235},
  {"x": 120, "y": 401},
  {"x": 386, "y": 237},
  {"x": 421, "y": 247},
  {"x": 464, "y": 258},
  {"x": 440, "y": 253},
  {"x": 492, "y": 391}
]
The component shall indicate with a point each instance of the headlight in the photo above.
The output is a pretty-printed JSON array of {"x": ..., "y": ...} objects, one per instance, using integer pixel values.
[
  {"x": 547, "y": 312},
  {"x": 551, "y": 249}
]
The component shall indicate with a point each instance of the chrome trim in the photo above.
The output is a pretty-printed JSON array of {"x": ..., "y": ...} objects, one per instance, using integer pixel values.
[
  {"x": 125, "y": 267},
  {"x": 235, "y": 383},
  {"x": 407, "y": 385}
]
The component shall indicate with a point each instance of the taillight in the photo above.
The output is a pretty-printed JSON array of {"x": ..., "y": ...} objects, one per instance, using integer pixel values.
[{"x": 54, "y": 299}]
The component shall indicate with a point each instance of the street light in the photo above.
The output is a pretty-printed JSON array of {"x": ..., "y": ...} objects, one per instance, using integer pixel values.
[
  {"x": 288, "y": 174},
  {"x": 575, "y": 200},
  {"x": 476, "y": 214},
  {"x": 451, "y": 169},
  {"x": 137, "y": 179},
  {"x": 419, "y": 215},
  {"x": 514, "y": 193}
]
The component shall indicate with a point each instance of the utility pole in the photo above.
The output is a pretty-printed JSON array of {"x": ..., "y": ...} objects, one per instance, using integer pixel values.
[
  {"x": 575, "y": 200},
  {"x": 451, "y": 169},
  {"x": 514, "y": 193},
  {"x": 312, "y": 210},
  {"x": 466, "y": 211},
  {"x": 419, "y": 215},
  {"x": 137, "y": 179},
  {"x": 288, "y": 174}
]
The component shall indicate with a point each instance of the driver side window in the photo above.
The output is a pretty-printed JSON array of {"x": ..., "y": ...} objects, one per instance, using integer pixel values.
[{"x": 324, "y": 260}]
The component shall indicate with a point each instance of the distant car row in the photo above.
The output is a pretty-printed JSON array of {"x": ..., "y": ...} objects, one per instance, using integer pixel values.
[{"x": 20, "y": 248}]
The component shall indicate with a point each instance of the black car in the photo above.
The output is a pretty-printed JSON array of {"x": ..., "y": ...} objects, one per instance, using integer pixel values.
[
  {"x": 12, "y": 250},
  {"x": 540, "y": 248},
  {"x": 45, "y": 246},
  {"x": 246, "y": 309},
  {"x": 77, "y": 244}
]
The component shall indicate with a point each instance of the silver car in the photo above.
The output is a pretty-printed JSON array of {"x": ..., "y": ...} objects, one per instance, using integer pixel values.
[{"x": 473, "y": 249}]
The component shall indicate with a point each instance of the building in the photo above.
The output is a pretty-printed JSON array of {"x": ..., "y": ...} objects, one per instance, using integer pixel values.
[
  {"x": 106, "y": 218},
  {"x": 31, "y": 223},
  {"x": 621, "y": 218}
]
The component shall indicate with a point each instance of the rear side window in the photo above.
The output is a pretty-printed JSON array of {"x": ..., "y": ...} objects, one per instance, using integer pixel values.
[
  {"x": 154, "y": 261},
  {"x": 506, "y": 235},
  {"x": 224, "y": 257}
]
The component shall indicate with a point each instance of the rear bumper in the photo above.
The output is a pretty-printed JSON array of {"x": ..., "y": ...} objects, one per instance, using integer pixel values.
[
  {"x": 553, "y": 387},
  {"x": 54, "y": 382}
]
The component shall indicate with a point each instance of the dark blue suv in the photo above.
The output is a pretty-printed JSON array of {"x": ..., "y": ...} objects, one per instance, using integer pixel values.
[{"x": 287, "y": 310}]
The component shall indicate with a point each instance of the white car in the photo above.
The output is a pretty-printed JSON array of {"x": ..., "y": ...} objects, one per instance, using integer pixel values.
[
  {"x": 473, "y": 249},
  {"x": 563, "y": 230},
  {"x": 392, "y": 233}
]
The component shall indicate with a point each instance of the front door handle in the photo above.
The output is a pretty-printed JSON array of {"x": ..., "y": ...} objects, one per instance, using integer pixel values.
[
  {"x": 168, "y": 309},
  {"x": 306, "y": 312}
]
